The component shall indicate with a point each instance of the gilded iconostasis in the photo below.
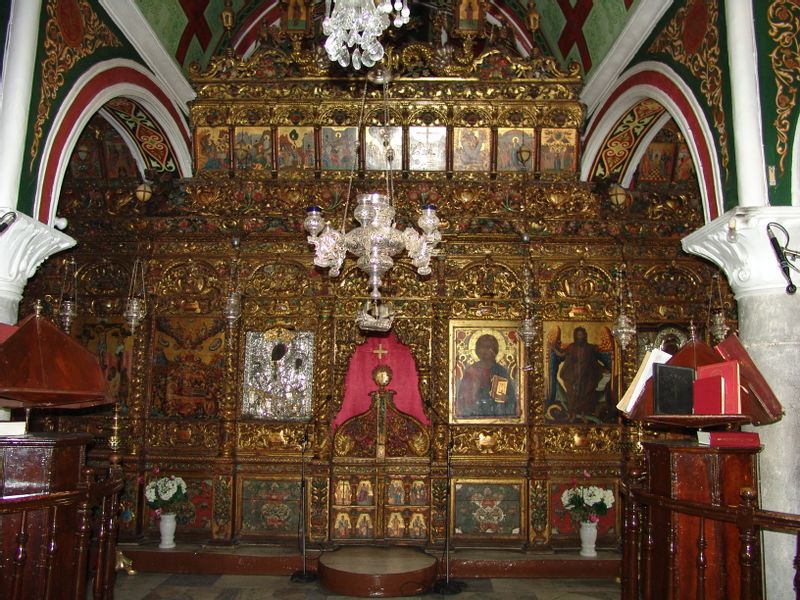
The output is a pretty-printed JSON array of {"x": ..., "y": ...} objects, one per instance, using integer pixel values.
[{"x": 452, "y": 413}]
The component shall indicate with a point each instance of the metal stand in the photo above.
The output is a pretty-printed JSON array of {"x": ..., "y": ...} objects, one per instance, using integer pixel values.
[
  {"x": 303, "y": 576},
  {"x": 448, "y": 586}
]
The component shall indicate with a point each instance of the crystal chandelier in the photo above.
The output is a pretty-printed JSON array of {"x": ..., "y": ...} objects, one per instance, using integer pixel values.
[
  {"x": 376, "y": 241},
  {"x": 358, "y": 24},
  {"x": 624, "y": 328},
  {"x": 68, "y": 309},
  {"x": 136, "y": 305}
]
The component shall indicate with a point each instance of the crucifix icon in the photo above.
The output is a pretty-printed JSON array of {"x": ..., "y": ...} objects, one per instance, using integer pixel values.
[{"x": 380, "y": 351}]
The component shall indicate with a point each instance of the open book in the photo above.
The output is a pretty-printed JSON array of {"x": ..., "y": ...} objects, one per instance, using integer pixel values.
[{"x": 645, "y": 372}]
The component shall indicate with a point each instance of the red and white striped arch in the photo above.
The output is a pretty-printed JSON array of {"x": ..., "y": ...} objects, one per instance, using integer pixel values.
[
  {"x": 101, "y": 83},
  {"x": 660, "y": 83}
]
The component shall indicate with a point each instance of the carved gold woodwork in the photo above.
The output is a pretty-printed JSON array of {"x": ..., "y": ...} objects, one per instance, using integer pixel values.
[{"x": 576, "y": 240}]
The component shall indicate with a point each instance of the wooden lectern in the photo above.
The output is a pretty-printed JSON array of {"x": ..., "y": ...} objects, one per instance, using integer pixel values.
[{"x": 47, "y": 495}]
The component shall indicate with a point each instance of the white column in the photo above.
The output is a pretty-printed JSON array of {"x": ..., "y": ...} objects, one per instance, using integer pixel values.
[
  {"x": 19, "y": 60},
  {"x": 23, "y": 247},
  {"x": 747, "y": 139},
  {"x": 769, "y": 327}
]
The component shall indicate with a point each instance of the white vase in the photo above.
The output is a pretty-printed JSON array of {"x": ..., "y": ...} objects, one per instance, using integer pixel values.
[
  {"x": 588, "y": 533},
  {"x": 166, "y": 526}
]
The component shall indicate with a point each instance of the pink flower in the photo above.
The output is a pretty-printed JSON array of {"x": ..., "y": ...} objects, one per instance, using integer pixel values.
[
  {"x": 593, "y": 518},
  {"x": 586, "y": 474}
]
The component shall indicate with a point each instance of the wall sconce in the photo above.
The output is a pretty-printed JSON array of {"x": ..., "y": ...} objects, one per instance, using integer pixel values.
[
  {"x": 143, "y": 191},
  {"x": 732, "y": 236},
  {"x": 136, "y": 306},
  {"x": 68, "y": 308},
  {"x": 619, "y": 197}
]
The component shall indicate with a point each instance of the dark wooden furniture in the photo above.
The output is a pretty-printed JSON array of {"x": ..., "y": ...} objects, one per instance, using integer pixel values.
[
  {"x": 58, "y": 518},
  {"x": 52, "y": 509},
  {"x": 688, "y": 552}
]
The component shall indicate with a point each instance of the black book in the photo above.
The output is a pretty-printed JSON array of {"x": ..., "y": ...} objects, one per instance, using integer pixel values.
[{"x": 672, "y": 389}]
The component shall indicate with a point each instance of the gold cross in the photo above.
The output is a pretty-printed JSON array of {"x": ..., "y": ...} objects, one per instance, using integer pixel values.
[{"x": 380, "y": 351}]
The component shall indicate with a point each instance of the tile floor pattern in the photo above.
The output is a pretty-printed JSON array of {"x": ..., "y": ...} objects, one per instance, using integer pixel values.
[{"x": 166, "y": 586}]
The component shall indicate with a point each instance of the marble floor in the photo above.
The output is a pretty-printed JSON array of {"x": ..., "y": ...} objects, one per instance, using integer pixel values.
[{"x": 167, "y": 586}]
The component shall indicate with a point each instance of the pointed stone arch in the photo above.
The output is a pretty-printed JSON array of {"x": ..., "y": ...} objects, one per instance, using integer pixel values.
[
  {"x": 654, "y": 82},
  {"x": 99, "y": 85}
]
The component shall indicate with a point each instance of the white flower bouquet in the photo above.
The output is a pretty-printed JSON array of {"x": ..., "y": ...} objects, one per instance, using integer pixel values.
[
  {"x": 165, "y": 494},
  {"x": 587, "y": 503}
]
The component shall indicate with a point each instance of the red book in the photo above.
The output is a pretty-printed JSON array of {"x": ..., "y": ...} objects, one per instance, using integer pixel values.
[
  {"x": 729, "y": 371},
  {"x": 729, "y": 439},
  {"x": 708, "y": 395}
]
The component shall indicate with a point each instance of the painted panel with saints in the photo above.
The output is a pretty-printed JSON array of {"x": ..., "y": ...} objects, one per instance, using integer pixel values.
[
  {"x": 278, "y": 374},
  {"x": 515, "y": 149},
  {"x": 471, "y": 149},
  {"x": 252, "y": 148},
  {"x": 295, "y": 147},
  {"x": 339, "y": 151},
  {"x": 111, "y": 344},
  {"x": 558, "y": 150},
  {"x": 579, "y": 367},
  {"x": 188, "y": 367},
  {"x": 269, "y": 507},
  {"x": 427, "y": 148},
  {"x": 213, "y": 147}
]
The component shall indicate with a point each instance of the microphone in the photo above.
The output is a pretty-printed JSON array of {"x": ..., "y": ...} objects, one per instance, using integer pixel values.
[{"x": 782, "y": 261}]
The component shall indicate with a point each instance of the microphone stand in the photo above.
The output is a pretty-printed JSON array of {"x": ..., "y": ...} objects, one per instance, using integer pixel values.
[
  {"x": 303, "y": 576},
  {"x": 447, "y": 586}
]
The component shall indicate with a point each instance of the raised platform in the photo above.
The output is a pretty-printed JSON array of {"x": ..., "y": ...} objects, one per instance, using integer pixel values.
[
  {"x": 465, "y": 564},
  {"x": 377, "y": 572}
]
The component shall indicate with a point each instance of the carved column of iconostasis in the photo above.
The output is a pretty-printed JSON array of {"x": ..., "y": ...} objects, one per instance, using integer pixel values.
[{"x": 438, "y": 401}]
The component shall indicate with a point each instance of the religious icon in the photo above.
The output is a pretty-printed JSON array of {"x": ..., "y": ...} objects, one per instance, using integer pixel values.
[
  {"x": 486, "y": 378},
  {"x": 419, "y": 493},
  {"x": 515, "y": 150},
  {"x": 252, "y": 148},
  {"x": 471, "y": 149},
  {"x": 427, "y": 148},
  {"x": 558, "y": 150},
  {"x": 364, "y": 495},
  {"x": 213, "y": 146},
  {"x": 278, "y": 372},
  {"x": 343, "y": 494},
  {"x": 395, "y": 492},
  {"x": 656, "y": 163},
  {"x": 342, "y": 525},
  {"x": 295, "y": 17},
  {"x": 375, "y": 156},
  {"x": 470, "y": 16},
  {"x": 396, "y": 526},
  {"x": 364, "y": 527},
  {"x": 296, "y": 147},
  {"x": 339, "y": 148},
  {"x": 579, "y": 363},
  {"x": 417, "y": 528}
]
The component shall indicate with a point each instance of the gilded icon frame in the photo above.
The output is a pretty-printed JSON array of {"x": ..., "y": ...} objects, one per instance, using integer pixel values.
[{"x": 470, "y": 400}]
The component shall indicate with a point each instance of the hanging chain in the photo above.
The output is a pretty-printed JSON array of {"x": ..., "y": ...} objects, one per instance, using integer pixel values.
[{"x": 355, "y": 155}]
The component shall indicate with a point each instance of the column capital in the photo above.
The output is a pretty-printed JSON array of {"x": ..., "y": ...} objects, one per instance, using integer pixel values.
[
  {"x": 23, "y": 247},
  {"x": 738, "y": 243}
]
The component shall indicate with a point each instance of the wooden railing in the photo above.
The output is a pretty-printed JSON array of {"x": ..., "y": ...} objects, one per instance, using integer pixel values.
[
  {"x": 750, "y": 521},
  {"x": 52, "y": 543}
]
